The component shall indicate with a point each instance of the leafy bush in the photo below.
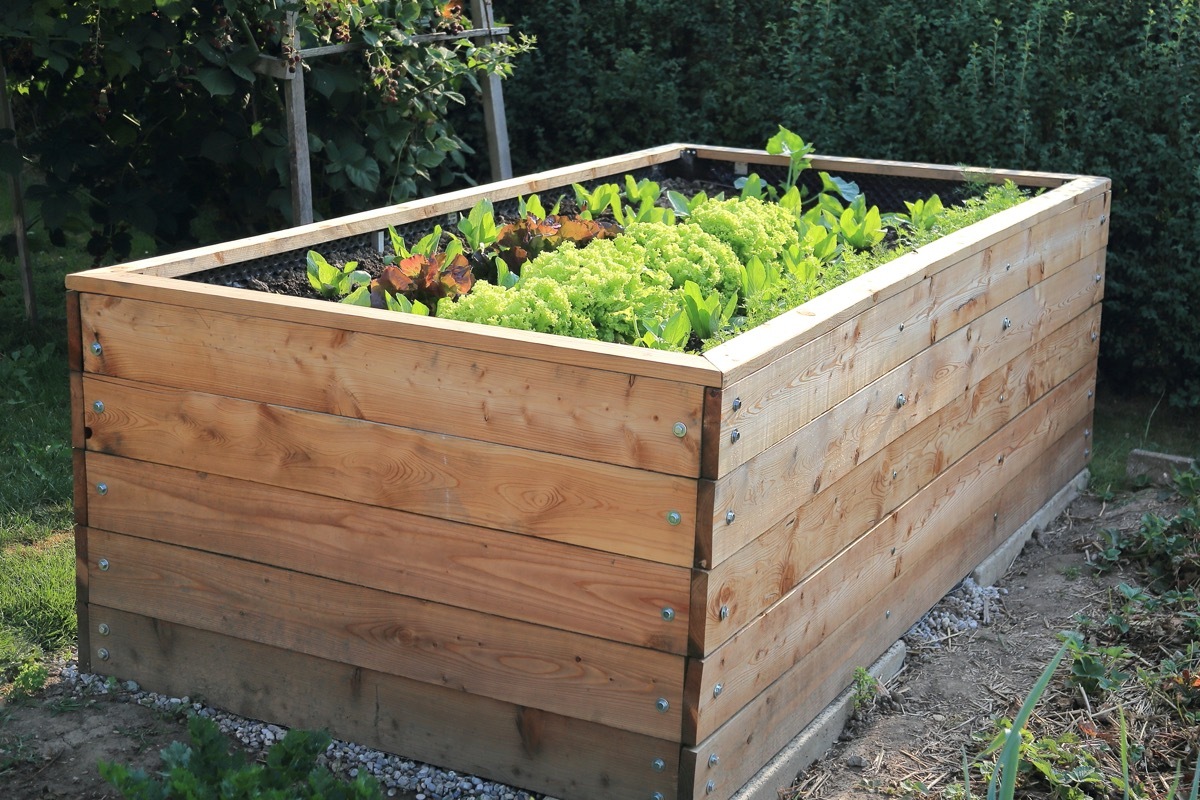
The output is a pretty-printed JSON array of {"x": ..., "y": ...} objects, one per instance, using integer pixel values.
[
  {"x": 147, "y": 115},
  {"x": 1013, "y": 85}
]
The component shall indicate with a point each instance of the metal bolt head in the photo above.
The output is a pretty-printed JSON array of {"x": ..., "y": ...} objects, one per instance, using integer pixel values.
[
  {"x": 1087, "y": 452},
  {"x": 103, "y": 653},
  {"x": 102, "y": 564},
  {"x": 1087, "y": 432},
  {"x": 97, "y": 349},
  {"x": 658, "y": 765},
  {"x": 734, "y": 435},
  {"x": 901, "y": 326},
  {"x": 1006, "y": 324},
  {"x": 1007, "y": 267},
  {"x": 720, "y": 687},
  {"x": 894, "y": 474},
  {"x": 710, "y": 787},
  {"x": 995, "y": 516},
  {"x": 1095, "y": 336},
  {"x": 662, "y": 705},
  {"x": 657, "y": 796},
  {"x": 1090, "y": 394},
  {"x": 101, "y": 488},
  {"x": 723, "y": 613},
  {"x": 887, "y": 614},
  {"x": 679, "y": 430},
  {"x": 737, "y": 404},
  {"x": 674, "y": 517},
  {"x": 1097, "y": 277},
  {"x": 713, "y": 759},
  {"x": 1103, "y": 218},
  {"x": 98, "y": 406},
  {"x": 901, "y": 400},
  {"x": 103, "y": 628},
  {"x": 730, "y": 517},
  {"x": 1001, "y": 398},
  {"x": 668, "y": 614}
]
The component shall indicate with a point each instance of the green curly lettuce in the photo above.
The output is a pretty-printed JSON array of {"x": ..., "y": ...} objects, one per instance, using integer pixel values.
[
  {"x": 687, "y": 253},
  {"x": 542, "y": 304},
  {"x": 750, "y": 226}
]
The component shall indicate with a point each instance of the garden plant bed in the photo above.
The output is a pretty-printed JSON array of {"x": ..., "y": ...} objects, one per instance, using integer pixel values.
[{"x": 588, "y": 569}]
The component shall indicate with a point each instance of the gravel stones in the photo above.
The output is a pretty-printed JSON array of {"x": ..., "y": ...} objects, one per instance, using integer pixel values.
[{"x": 967, "y": 607}]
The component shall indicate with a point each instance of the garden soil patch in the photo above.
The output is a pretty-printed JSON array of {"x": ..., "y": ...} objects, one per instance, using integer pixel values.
[{"x": 916, "y": 731}]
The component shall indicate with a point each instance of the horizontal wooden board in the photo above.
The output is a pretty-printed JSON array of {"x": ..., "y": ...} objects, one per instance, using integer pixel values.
[
  {"x": 518, "y": 745},
  {"x": 824, "y": 522},
  {"x": 764, "y": 726},
  {"x": 367, "y": 222},
  {"x": 787, "y": 631},
  {"x": 609, "y": 508},
  {"x": 800, "y": 385},
  {"x": 866, "y": 422},
  {"x": 907, "y": 169},
  {"x": 520, "y": 577},
  {"x": 769, "y": 342},
  {"x": 536, "y": 405},
  {"x": 565, "y": 673}
]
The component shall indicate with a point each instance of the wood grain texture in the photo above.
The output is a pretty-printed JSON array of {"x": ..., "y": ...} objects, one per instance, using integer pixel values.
[
  {"x": 800, "y": 385},
  {"x": 518, "y": 745},
  {"x": 762, "y": 491},
  {"x": 537, "y": 405},
  {"x": 837, "y": 164},
  {"x": 786, "y": 632},
  {"x": 826, "y": 521},
  {"x": 765, "y": 725},
  {"x": 619, "y": 358},
  {"x": 772, "y": 340},
  {"x": 519, "y": 577},
  {"x": 557, "y": 671},
  {"x": 614, "y": 509}
]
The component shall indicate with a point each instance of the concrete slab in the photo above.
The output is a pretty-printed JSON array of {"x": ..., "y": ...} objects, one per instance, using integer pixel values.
[{"x": 1158, "y": 468}]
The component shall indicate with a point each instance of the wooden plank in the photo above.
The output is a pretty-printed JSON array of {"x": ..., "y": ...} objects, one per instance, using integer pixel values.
[
  {"x": 764, "y": 570},
  {"x": 74, "y": 333},
  {"x": 875, "y": 415},
  {"x": 316, "y": 234},
  {"x": 614, "y": 509},
  {"x": 837, "y": 164},
  {"x": 770, "y": 341},
  {"x": 440, "y": 725},
  {"x": 769, "y": 722},
  {"x": 787, "y": 631},
  {"x": 561, "y": 672},
  {"x": 537, "y": 405},
  {"x": 83, "y": 625},
  {"x": 803, "y": 383},
  {"x": 519, "y": 577},
  {"x": 451, "y": 334}
]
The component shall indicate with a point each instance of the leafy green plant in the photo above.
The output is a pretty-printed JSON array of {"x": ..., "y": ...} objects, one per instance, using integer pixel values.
[
  {"x": 865, "y": 689},
  {"x": 1094, "y": 669},
  {"x": 799, "y": 153},
  {"x": 858, "y": 226},
  {"x": 30, "y": 679},
  {"x": 707, "y": 315},
  {"x": 478, "y": 228},
  {"x": 683, "y": 206},
  {"x": 594, "y": 202},
  {"x": 922, "y": 214},
  {"x": 208, "y": 768},
  {"x": 329, "y": 281},
  {"x": 670, "y": 334}
]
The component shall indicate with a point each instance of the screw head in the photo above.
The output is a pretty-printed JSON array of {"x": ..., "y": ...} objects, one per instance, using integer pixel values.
[
  {"x": 103, "y": 628},
  {"x": 1103, "y": 218},
  {"x": 720, "y": 687},
  {"x": 901, "y": 326},
  {"x": 730, "y": 517},
  {"x": 1095, "y": 336},
  {"x": 102, "y": 564},
  {"x": 995, "y": 516},
  {"x": 1001, "y": 398},
  {"x": 734, "y": 435},
  {"x": 887, "y": 614},
  {"x": 737, "y": 404},
  {"x": 710, "y": 787},
  {"x": 98, "y": 406},
  {"x": 901, "y": 400},
  {"x": 101, "y": 488},
  {"x": 103, "y": 653},
  {"x": 1087, "y": 451},
  {"x": 679, "y": 430},
  {"x": 713, "y": 759},
  {"x": 97, "y": 349},
  {"x": 1087, "y": 432},
  {"x": 1007, "y": 267},
  {"x": 657, "y": 796},
  {"x": 1000, "y": 459},
  {"x": 1090, "y": 394},
  {"x": 662, "y": 705},
  {"x": 723, "y": 613},
  {"x": 658, "y": 765},
  {"x": 1097, "y": 277},
  {"x": 668, "y": 614},
  {"x": 894, "y": 474},
  {"x": 674, "y": 517},
  {"x": 1006, "y": 324}
]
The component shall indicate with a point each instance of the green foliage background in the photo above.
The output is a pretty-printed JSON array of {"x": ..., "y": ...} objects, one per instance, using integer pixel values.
[{"x": 1105, "y": 87}]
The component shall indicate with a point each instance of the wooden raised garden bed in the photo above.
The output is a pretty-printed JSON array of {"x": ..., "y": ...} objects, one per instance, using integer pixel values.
[{"x": 588, "y": 569}]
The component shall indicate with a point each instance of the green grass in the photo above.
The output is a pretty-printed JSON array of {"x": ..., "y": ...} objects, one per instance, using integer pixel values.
[{"x": 1128, "y": 421}]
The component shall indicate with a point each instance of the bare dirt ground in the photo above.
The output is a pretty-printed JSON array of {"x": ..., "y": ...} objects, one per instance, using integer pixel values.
[{"x": 49, "y": 745}]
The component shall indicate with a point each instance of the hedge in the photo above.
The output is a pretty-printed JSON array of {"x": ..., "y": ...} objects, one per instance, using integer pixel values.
[{"x": 1109, "y": 87}]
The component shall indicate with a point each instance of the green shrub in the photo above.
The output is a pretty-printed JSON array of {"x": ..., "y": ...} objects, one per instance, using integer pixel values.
[{"x": 1083, "y": 86}]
